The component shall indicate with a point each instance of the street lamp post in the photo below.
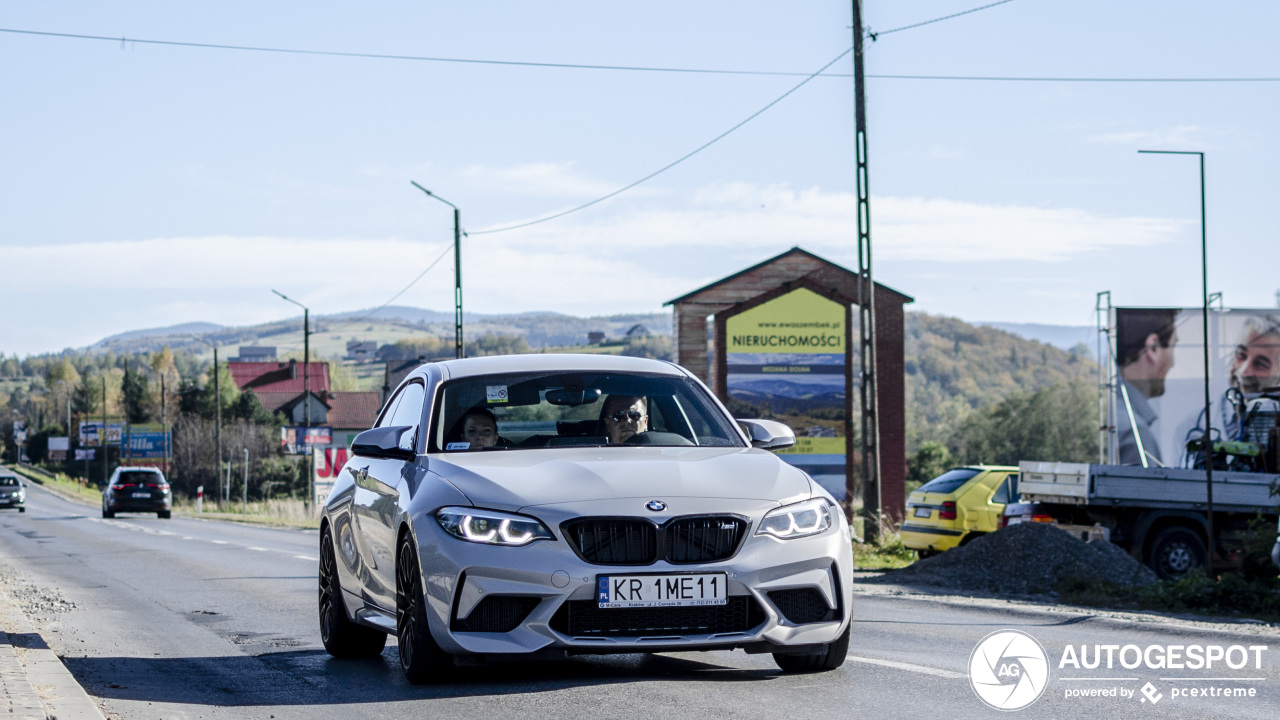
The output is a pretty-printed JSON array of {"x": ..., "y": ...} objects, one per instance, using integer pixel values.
[
  {"x": 217, "y": 412},
  {"x": 306, "y": 392},
  {"x": 306, "y": 356},
  {"x": 1204, "y": 295},
  {"x": 457, "y": 269}
]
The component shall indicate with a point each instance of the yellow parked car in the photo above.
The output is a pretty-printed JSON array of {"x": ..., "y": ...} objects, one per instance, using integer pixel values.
[{"x": 958, "y": 506}]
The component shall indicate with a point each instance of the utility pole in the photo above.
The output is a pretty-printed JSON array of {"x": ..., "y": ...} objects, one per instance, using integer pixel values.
[
  {"x": 217, "y": 412},
  {"x": 457, "y": 270},
  {"x": 1208, "y": 415},
  {"x": 103, "y": 435},
  {"x": 306, "y": 359},
  {"x": 244, "y": 486},
  {"x": 871, "y": 510}
]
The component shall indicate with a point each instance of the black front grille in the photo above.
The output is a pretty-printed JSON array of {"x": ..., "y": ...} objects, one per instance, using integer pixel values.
[
  {"x": 638, "y": 541},
  {"x": 702, "y": 539},
  {"x": 497, "y": 613},
  {"x": 613, "y": 541},
  {"x": 803, "y": 605},
  {"x": 584, "y": 618}
]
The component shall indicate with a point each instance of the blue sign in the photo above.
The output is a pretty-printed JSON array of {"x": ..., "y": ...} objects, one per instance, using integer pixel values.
[{"x": 147, "y": 444}]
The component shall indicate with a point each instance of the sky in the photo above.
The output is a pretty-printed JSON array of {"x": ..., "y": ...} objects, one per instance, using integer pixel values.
[{"x": 146, "y": 185}]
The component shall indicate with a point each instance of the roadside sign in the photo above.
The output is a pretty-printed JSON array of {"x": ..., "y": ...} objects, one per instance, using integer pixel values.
[
  {"x": 326, "y": 463},
  {"x": 147, "y": 444},
  {"x": 301, "y": 440},
  {"x": 83, "y": 454}
]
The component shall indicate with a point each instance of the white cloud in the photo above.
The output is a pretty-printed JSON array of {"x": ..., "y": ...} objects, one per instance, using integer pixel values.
[
  {"x": 1180, "y": 136},
  {"x": 602, "y": 261},
  {"x": 548, "y": 179}
]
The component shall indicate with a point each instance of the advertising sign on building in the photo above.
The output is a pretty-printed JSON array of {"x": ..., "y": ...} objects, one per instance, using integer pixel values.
[
  {"x": 301, "y": 440},
  {"x": 1159, "y": 406},
  {"x": 326, "y": 463},
  {"x": 785, "y": 360}
]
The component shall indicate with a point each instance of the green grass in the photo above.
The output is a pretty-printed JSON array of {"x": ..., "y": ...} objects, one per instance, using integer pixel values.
[
  {"x": 64, "y": 484},
  {"x": 888, "y": 554}
]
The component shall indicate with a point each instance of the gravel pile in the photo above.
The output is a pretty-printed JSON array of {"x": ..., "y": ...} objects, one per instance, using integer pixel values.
[
  {"x": 1023, "y": 559},
  {"x": 33, "y": 599}
]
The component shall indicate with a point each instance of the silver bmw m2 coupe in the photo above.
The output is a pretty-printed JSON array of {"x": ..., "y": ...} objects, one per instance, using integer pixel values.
[{"x": 537, "y": 506}]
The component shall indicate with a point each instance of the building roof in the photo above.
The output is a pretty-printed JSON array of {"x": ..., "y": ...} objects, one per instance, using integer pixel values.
[
  {"x": 346, "y": 410},
  {"x": 262, "y": 377},
  {"x": 791, "y": 266},
  {"x": 349, "y": 410}
]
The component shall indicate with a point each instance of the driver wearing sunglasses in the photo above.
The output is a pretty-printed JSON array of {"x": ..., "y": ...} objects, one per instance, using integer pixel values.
[{"x": 624, "y": 417}]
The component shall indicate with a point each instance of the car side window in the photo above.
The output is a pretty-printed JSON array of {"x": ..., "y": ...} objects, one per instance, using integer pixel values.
[
  {"x": 407, "y": 411},
  {"x": 1002, "y": 493}
]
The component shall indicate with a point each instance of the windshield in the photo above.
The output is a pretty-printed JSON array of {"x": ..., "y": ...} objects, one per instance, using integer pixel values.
[
  {"x": 949, "y": 480},
  {"x": 541, "y": 410},
  {"x": 8, "y": 481}
]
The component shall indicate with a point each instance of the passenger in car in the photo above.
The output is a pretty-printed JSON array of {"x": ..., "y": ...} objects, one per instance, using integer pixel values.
[
  {"x": 479, "y": 427},
  {"x": 623, "y": 417}
]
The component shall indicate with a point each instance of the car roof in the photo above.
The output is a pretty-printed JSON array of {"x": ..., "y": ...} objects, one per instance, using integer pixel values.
[{"x": 554, "y": 362}]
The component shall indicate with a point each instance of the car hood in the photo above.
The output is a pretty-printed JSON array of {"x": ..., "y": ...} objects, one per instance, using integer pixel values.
[{"x": 514, "y": 479}]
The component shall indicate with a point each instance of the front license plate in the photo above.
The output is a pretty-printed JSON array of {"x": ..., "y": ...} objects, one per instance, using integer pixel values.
[
  {"x": 630, "y": 591},
  {"x": 142, "y": 495},
  {"x": 923, "y": 512}
]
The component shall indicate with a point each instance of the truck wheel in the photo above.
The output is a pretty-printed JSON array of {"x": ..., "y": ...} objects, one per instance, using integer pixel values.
[{"x": 1175, "y": 551}]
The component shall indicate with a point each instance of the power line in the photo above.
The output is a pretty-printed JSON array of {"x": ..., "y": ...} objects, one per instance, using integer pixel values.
[
  {"x": 640, "y": 68},
  {"x": 674, "y": 163},
  {"x": 874, "y": 35}
]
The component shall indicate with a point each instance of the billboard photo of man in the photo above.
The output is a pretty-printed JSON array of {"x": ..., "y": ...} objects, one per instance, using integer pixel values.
[
  {"x": 1144, "y": 355},
  {"x": 1256, "y": 366}
]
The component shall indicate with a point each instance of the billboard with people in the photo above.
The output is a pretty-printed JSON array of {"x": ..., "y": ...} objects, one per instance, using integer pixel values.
[{"x": 1159, "y": 404}]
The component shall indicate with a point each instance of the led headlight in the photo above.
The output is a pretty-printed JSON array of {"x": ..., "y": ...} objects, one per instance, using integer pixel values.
[
  {"x": 490, "y": 527},
  {"x": 799, "y": 520}
]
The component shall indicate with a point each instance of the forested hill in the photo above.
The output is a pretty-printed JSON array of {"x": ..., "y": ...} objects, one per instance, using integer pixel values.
[{"x": 954, "y": 368}]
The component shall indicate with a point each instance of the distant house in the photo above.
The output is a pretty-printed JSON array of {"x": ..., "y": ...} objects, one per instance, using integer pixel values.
[
  {"x": 358, "y": 350},
  {"x": 255, "y": 354},
  {"x": 595, "y": 337},
  {"x": 637, "y": 331},
  {"x": 348, "y": 413}
]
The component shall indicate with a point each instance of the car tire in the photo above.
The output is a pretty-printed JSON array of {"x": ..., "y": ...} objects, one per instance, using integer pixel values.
[
  {"x": 107, "y": 513},
  {"x": 1175, "y": 552},
  {"x": 341, "y": 637},
  {"x": 421, "y": 658},
  {"x": 22, "y": 509},
  {"x": 830, "y": 658},
  {"x": 163, "y": 514}
]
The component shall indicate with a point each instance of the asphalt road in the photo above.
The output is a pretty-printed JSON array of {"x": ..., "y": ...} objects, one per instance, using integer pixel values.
[{"x": 187, "y": 618}]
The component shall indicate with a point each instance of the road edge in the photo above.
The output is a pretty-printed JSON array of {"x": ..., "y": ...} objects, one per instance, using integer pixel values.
[{"x": 37, "y": 665}]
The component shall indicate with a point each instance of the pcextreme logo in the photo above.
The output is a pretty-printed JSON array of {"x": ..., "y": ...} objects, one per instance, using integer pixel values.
[{"x": 1009, "y": 670}]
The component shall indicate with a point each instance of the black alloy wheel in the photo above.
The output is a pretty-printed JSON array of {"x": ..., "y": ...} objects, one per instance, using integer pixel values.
[
  {"x": 341, "y": 637},
  {"x": 1175, "y": 552},
  {"x": 830, "y": 658},
  {"x": 421, "y": 658}
]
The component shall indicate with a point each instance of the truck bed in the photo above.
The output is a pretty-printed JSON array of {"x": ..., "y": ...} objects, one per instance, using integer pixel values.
[{"x": 1125, "y": 485}]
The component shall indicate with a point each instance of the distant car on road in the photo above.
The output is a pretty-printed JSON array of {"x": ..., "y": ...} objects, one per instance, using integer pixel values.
[
  {"x": 13, "y": 493},
  {"x": 137, "y": 489},
  {"x": 537, "y": 506},
  {"x": 958, "y": 506}
]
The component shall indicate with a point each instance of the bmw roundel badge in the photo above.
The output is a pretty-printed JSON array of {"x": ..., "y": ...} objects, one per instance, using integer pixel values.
[{"x": 656, "y": 505}]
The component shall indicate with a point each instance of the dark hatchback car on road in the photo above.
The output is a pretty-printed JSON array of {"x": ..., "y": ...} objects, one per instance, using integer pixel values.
[
  {"x": 137, "y": 489},
  {"x": 13, "y": 494}
]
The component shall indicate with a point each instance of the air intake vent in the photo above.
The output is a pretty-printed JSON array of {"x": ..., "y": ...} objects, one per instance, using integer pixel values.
[
  {"x": 703, "y": 539},
  {"x": 803, "y": 605},
  {"x": 613, "y": 541},
  {"x": 583, "y": 618},
  {"x": 497, "y": 613}
]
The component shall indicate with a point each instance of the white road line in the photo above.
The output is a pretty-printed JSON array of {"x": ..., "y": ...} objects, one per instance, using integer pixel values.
[
  {"x": 250, "y": 547},
  {"x": 939, "y": 672},
  {"x": 307, "y": 557},
  {"x": 219, "y": 542}
]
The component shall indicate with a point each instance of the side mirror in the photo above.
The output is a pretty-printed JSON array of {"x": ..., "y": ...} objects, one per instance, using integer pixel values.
[
  {"x": 383, "y": 442},
  {"x": 768, "y": 434}
]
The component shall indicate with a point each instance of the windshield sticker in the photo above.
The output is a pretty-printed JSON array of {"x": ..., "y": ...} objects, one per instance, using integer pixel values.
[
  {"x": 458, "y": 446},
  {"x": 495, "y": 393}
]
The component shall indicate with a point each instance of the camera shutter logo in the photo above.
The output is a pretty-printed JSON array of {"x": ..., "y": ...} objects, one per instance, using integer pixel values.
[{"x": 1008, "y": 670}]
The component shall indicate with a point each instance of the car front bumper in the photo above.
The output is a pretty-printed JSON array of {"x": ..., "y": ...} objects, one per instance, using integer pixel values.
[{"x": 767, "y": 578}]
